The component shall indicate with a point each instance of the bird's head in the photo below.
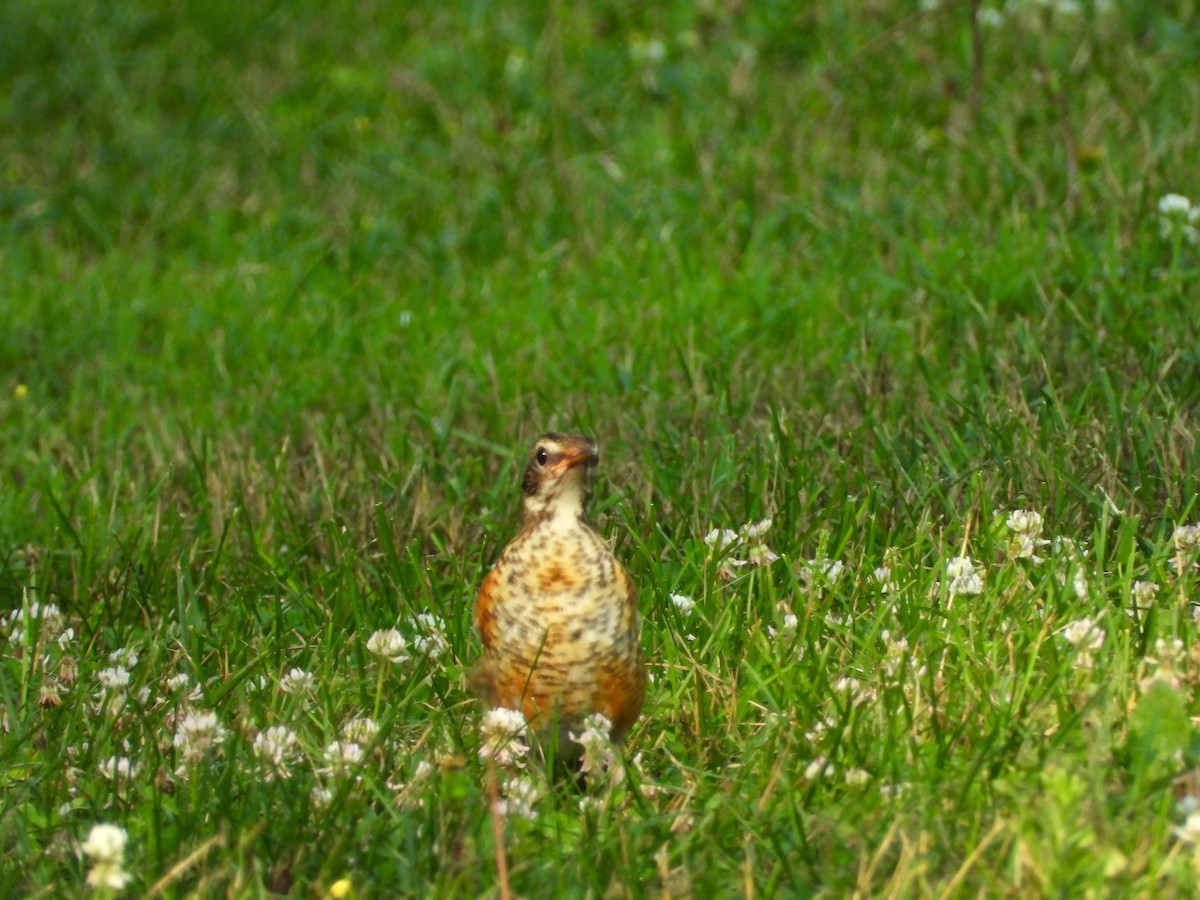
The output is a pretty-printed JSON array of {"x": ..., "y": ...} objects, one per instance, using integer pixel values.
[{"x": 558, "y": 476}]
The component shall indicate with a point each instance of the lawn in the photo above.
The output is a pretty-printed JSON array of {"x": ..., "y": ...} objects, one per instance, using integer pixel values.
[{"x": 885, "y": 316}]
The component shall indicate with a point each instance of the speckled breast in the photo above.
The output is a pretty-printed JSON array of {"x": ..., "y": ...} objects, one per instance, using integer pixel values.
[{"x": 561, "y": 631}]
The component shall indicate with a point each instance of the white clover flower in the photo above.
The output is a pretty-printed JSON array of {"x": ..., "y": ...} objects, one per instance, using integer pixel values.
[
  {"x": 113, "y": 679},
  {"x": 105, "y": 847},
  {"x": 276, "y": 748},
  {"x": 1079, "y": 584},
  {"x": 1025, "y": 521},
  {"x": 48, "y": 616},
  {"x": 597, "y": 747},
  {"x": 1186, "y": 537},
  {"x": 684, "y": 604},
  {"x": 1142, "y": 594},
  {"x": 503, "y": 733},
  {"x": 830, "y": 569},
  {"x": 124, "y": 657},
  {"x": 389, "y": 644},
  {"x": 883, "y": 577},
  {"x": 343, "y": 757},
  {"x": 294, "y": 681},
  {"x": 176, "y": 681},
  {"x": 721, "y": 538},
  {"x": 964, "y": 577},
  {"x": 857, "y": 777},
  {"x": 1174, "y": 205},
  {"x": 360, "y": 730},
  {"x": 431, "y": 641},
  {"x": 118, "y": 768},
  {"x": 790, "y": 621},
  {"x": 1084, "y": 634},
  {"x": 197, "y": 734},
  {"x": 66, "y": 639},
  {"x": 1189, "y": 831},
  {"x": 753, "y": 530},
  {"x": 321, "y": 796},
  {"x": 818, "y": 768},
  {"x": 520, "y": 795},
  {"x": 1176, "y": 214}
]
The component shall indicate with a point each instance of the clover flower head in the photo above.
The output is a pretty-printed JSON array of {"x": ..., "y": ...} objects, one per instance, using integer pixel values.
[
  {"x": 503, "y": 732},
  {"x": 684, "y": 604},
  {"x": 276, "y": 748},
  {"x": 964, "y": 577},
  {"x": 114, "y": 678},
  {"x": 360, "y": 730},
  {"x": 197, "y": 734},
  {"x": 105, "y": 847},
  {"x": 1186, "y": 537},
  {"x": 597, "y": 746},
  {"x": 297, "y": 680},
  {"x": 343, "y": 757},
  {"x": 520, "y": 796},
  {"x": 389, "y": 644}
]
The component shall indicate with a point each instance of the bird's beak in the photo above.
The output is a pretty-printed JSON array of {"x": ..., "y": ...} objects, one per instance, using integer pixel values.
[{"x": 586, "y": 455}]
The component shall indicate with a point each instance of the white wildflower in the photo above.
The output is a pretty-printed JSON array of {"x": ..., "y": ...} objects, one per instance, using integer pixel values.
[
  {"x": 597, "y": 747},
  {"x": 118, "y": 769},
  {"x": 1142, "y": 594},
  {"x": 321, "y": 796},
  {"x": 389, "y": 644},
  {"x": 684, "y": 604},
  {"x": 1084, "y": 634},
  {"x": 964, "y": 577},
  {"x": 105, "y": 847},
  {"x": 113, "y": 679},
  {"x": 1186, "y": 537},
  {"x": 1174, "y": 205},
  {"x": 754, "y": 530},
  {"x": 276, "y": 748},
  {"x": 818, "y": 768},
  {"x": 1176, "y": 214},
  {"x": 1080, "y": 585},
  {"x": 431, "y": 638},
  {"x": 342, "y": 757},
  {"x": 1025, "y": 521},
  {"x": 1189, "y": 831},
  {"x": 176, "y": 682},
  {"x": 124, "y": 657},
  {"x": 829, "y": 569},
  {"x": 520, "y": 795},
  {"x": 360, "y": 730},
  {"x": 295, "y": 681},
  {"x": 197, "y": 734},
  {"x": 503, "y": 733},
  {"x": 883, "y": 577},
  {"x": 857, "y": 777},
  {"x": 722, "y": 538}
]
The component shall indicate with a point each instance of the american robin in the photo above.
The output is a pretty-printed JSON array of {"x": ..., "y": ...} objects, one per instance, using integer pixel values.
[{"x": 557, "y": 613}]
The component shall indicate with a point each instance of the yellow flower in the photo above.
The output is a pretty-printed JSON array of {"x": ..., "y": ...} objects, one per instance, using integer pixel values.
[
  {"x": 340, "y": 888},
  {"x": 20, "y": 391}
]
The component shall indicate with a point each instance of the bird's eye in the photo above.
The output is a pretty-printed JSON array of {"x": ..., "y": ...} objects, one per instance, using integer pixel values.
[{"x": 541, "y": 456}]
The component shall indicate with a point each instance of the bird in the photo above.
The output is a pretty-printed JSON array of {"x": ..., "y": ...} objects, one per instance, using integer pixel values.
[{"x": 558, "y": 613}]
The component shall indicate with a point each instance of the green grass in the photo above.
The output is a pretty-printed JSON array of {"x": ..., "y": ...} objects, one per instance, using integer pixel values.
[{"x": 286, "y": 292}]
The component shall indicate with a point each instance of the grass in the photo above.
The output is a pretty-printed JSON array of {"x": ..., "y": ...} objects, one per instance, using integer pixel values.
[{"x": 287, "y": 292}]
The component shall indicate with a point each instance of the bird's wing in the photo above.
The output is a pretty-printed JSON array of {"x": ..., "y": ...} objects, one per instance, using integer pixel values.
[{"x": 485, "y": 616}]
